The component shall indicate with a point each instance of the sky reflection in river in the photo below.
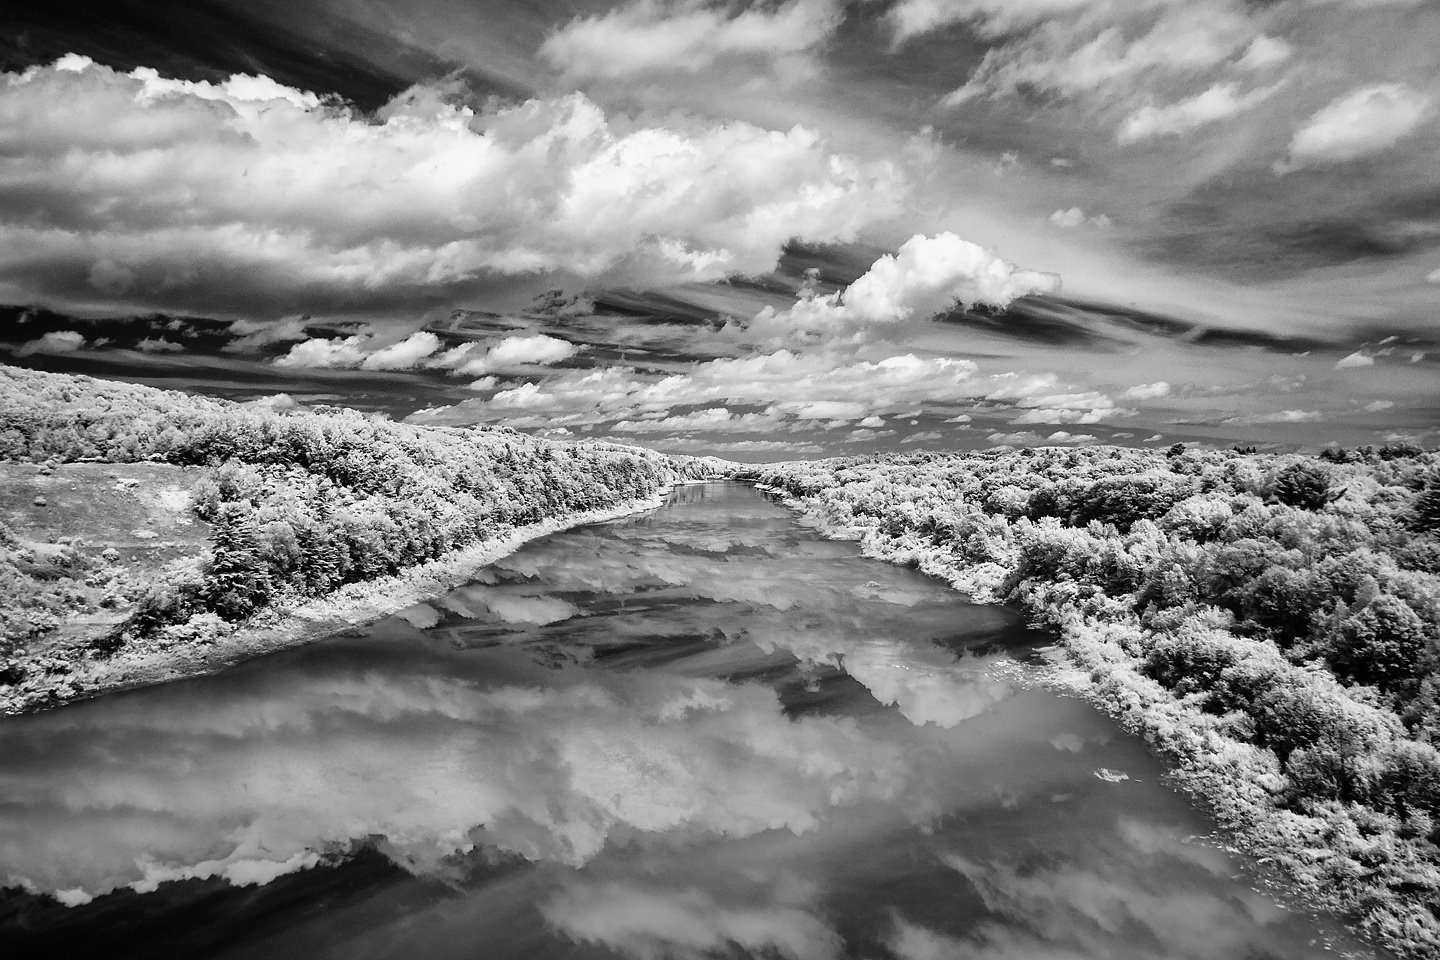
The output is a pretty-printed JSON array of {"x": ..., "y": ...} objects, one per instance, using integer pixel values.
[{"x": 699, "y": 733}]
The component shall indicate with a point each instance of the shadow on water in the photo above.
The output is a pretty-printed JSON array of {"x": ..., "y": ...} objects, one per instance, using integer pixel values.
[{"x": 702, "y": 732}]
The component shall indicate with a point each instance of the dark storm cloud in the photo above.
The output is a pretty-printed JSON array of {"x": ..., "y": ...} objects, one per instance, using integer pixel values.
[{"x": 210, "y": 40}]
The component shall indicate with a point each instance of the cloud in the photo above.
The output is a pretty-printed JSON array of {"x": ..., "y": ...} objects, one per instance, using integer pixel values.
[
  {"x": 652, "y": 36},
  {"x": 1185, "y": 116},
  {"x": 793, "y": 385},
  {"x": 57, "y": 341},
  {"x": 510, "y": 354},
  {"x": 793, "y": 447},
  {"x": 1106, "y": 49},
  {"x": 1357, "y": 359},
  {"x": 1148, "y": 391},
  {"x": 403, "y": 355},
  {"x": 924, "y": 436},
  {"x": 1362, "y": 123},
  {"x": 158, "y": 345},
  {"x": 1265, "y": 52},
  {"x": 1068, "y": 415},
  {"x": 651, "y": 924},
  {"x": 548, "y": 769},
  {"x": 343, "y": 352},
  {"x": 1075, "y": 216},
  {"x": 1278, "y": 416},
  {"x": 200, "y": 195},
  {"x": 925, "y": 277},
  {"x": 912, "y": 18},
  {"x": 252, "y": 335}
]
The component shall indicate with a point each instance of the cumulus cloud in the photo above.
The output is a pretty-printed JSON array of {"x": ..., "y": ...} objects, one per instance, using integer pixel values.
[
  {"x": 1075, "y": 216},
  {"x": 404, "y": 354},
  {"x": 57, "y": 341},
  {"x": 1148, "y": 391},
  {"x": 925, "y": 277},
  {"x": 789, "y": 447},
  {"x": 185, "y": 193},
  {"x": 815, "y": 385},
  {"x": 343, "y": 352},
  {"x": 1215, "y": 103},
  {"x": 510, "y": 354},
  {"x": 686, "y": 36},
  {"x": 713, "y": 418},
  {"x": 1362, "y": 123},
  {"x": 158, "y": 345},
  {"x": 1357, "y": 359},
  {"x": 252, "y": 335}
]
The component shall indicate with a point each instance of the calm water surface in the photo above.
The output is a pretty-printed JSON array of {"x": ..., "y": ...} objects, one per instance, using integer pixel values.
[{"x": 704, "y": 732}]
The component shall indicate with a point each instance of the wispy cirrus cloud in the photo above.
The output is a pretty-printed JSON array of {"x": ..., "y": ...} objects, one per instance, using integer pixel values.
[{"x": 686, "y": 36}]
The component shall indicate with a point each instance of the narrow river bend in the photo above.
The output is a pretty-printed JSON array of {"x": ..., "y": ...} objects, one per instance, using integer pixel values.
[{"x": 702, "y": 732}]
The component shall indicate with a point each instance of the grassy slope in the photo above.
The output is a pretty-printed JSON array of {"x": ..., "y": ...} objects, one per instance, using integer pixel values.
[{"x": 84, "y": 541}]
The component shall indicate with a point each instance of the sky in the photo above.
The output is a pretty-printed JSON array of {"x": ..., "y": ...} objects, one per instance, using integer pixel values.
[{"x": 761, "y": 230}]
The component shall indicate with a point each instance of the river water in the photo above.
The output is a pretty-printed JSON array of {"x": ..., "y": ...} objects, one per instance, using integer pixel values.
[{"x": 702, "y": 732}]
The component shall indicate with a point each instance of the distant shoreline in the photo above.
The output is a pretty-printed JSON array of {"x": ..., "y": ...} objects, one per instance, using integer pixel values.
[{"x": 284, "y": 626}]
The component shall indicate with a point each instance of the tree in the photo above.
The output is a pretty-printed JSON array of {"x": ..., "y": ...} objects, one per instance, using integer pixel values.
[
  {"x": 237, "y": 577},
  {"x": 1303, "y": 485}
]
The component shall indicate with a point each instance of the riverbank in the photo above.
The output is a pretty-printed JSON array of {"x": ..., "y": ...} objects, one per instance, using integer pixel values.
[
  {"x": 213, "y": 645},
  {"x": 1374, "y": 872}
]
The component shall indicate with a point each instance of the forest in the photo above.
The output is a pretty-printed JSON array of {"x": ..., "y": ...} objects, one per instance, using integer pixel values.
[
  {"x": 298, "y": 502},
  {"x": 1270, "y": 623}
]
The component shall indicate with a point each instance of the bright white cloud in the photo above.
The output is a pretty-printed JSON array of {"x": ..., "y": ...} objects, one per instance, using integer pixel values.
[
  {"x": 510, "y": 354},
  {"x": 1357, "y": 359},
  {"x": 1148, "y": 391},
  {"x": 343, "y": 352},
  {"x": 1362, "y": 123},
  {"x": 1075, "y": 216},
  {"x": 1216, "y": 103},
  {"x": 187, "y": 192},
  {"x": 158, "y": 345},
  {"x": 57, "y": 341},
  {"x": 403, "y": 355},
  {"x": 653, "y": 36},
  {"x": 927, "y": 276},
  {"x": 251, "y": 334}
]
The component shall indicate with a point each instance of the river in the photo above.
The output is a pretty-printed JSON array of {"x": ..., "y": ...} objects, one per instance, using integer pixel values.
[{"x": 699, "y": 732}]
